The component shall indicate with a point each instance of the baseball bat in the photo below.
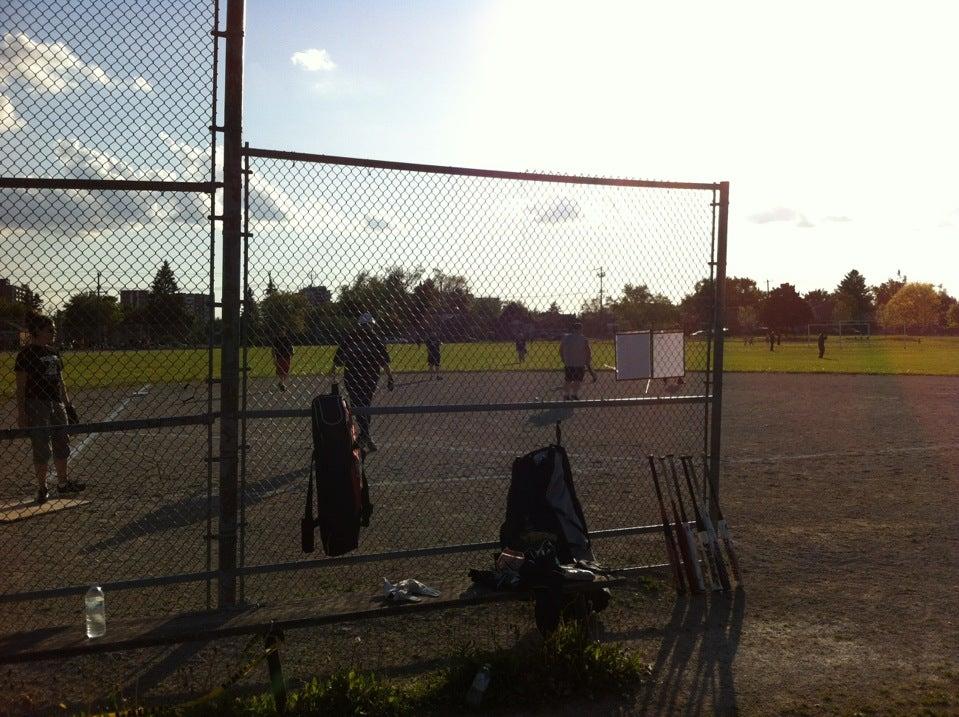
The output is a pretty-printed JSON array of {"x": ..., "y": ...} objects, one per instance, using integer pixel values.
[
  {"x": 706, "y": 579},
  {"x": 708, "y": 536},
  {"x": 687, "y": 545},
  {"x": 672, "y": 551},
  {"x": 722, "y": 527}
]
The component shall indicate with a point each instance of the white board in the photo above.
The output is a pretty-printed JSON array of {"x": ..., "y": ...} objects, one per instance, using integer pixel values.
[
  {"x": 669, "y": 354},
  {"x": 634, "y": 355}
]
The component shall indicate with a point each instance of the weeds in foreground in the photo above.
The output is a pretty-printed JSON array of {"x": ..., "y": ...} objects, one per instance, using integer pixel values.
[{"x": 532, "y": 674}]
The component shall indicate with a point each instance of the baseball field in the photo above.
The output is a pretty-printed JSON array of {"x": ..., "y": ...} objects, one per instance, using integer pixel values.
[
  {"x": 841, "y": 491},
  {"x": 930, "y": 356}
]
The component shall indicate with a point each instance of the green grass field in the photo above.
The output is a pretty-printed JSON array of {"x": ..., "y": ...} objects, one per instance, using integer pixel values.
[{"x": 938, "y": 356}]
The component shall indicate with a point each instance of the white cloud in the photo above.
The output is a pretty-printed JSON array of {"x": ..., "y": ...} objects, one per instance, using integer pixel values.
[
  {"x": 53, "y": 68},
  {"x": 554, "y": 211},
  {"x": 9, "y": 119},
  {"x": 840, "y": 218},
  {"x": 313, "y": 60},
  {"x": 779, "y": 214}
]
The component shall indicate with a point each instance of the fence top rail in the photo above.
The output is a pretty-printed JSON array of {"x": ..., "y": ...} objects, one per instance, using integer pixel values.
[
  {"x": 475, "y": 172},
  {"x": 128, "y": 185},
  {"x": 562, "y": 409}
]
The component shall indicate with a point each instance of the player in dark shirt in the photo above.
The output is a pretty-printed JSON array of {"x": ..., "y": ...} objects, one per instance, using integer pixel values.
[
  {"x": 282, "y": 346},
  {"x": 42, "y": 401},
  {"x": 363, "y": 354},
  {"x": 433, "y": 348}
]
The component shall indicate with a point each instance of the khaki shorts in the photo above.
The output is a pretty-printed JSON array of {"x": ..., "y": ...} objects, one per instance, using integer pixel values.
[{"x": 41, "y": 413}]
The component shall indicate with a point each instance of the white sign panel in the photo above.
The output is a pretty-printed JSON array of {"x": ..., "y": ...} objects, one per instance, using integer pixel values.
[
  {"x": 669, "y": 354},
  {"x": 634, "y": 355}
]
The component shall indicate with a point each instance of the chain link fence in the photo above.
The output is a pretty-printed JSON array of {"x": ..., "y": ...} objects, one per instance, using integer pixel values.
[
  {"x": 106, "y": 191},
  {"x": 109, "y": 163},
  {"x": 470, "y": 279}
]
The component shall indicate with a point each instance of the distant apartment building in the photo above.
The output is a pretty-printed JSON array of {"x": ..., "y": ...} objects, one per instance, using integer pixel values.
[
  {"x": 316, "y": 295},
  {"x": 13, "y": 293},
  {"x": 134, "y": 298},
  {"x": 196, "y": 305}
]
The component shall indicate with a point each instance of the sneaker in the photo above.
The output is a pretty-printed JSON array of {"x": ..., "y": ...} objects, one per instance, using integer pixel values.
[
  {"x": 368, "y": 444},
  {"x": 70, "y": 487},
  {"x": 42, "y": 495}
]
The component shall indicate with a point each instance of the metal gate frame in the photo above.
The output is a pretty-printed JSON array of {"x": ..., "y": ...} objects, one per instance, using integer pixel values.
[{"x": 710, "y": 400}]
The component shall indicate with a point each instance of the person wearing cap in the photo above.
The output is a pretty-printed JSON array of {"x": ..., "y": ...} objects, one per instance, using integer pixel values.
[
  {"x": 577, "y": 359},
  {"x": 363, "y": 355}
]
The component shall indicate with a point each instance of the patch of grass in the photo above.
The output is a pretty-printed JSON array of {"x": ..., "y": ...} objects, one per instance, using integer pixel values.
[
  {"x": 936, "y": 356},
  {"x": 533, "y": 674}
]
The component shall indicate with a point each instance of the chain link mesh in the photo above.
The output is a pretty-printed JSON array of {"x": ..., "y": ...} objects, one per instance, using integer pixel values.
[
  {"x": 486, "y": 273},
  {"x": 92, "y": 93},
  {"x": 471, "y": 280}
]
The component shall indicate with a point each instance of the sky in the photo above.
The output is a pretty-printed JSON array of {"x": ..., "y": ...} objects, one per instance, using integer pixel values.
[{"x": 835, "y": 123}]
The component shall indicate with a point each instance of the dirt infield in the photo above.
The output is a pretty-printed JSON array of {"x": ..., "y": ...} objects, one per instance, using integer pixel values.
[{"x": 842, "y": 491}]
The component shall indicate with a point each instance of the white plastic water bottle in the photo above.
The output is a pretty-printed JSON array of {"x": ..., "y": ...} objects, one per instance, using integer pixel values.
[
  {"x": 96, "y": 612},
  {"x": 476, "y": 691}
]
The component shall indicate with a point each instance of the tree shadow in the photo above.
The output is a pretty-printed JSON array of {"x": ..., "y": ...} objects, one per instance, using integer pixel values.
[{"x": 694, "y": 664}]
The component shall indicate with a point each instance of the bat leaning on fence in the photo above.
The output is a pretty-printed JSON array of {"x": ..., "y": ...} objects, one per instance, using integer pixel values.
[
  {"x": 687, "y": 542},
  {"x": 704, "y": 566},
  {"x": 707, "y": 533},
  {"x": 672, "y": 549},
  {"x": 722, "y": 528}
]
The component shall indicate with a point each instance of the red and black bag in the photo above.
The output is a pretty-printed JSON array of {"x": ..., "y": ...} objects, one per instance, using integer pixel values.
[{"x": 342, "y": 494}]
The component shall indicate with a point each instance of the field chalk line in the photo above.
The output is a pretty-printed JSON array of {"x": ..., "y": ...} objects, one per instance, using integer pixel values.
[{"x": 90, "y": 437}]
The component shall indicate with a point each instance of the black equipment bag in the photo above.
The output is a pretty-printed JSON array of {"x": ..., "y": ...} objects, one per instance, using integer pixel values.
[
  {"x": 542, "y": 498},
  {"x": 342, "y": 494}
]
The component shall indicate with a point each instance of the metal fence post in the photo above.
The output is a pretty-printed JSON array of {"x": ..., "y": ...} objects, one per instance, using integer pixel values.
[
  {"x": 719, "y": 321},
  {"x": 230, "y": 354}
]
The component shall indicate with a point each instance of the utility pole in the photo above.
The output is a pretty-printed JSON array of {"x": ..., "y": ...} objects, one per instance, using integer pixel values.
[
  {"x": 767, "y": 286},
  {"x": 602, "y": 275}
]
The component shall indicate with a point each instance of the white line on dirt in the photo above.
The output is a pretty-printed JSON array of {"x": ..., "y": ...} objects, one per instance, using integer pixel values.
[
  {"x": 834, "y": 454},
  {"x": 90, "y": 437}
]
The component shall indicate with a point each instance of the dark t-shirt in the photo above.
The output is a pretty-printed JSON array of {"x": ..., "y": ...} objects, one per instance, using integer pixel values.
[
  {"x": 363, "y": 355},
  {"x": 43, "y": 367},
  {"x": 282, "y": 347}
]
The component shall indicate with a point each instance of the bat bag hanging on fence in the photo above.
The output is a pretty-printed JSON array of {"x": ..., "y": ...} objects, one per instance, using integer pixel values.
[
  {"x": 342, "y": 494},
  {"x": 542, "y": 498}
]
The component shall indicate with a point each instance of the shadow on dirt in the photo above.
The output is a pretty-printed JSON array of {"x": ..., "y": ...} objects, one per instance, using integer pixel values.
[
  {"x": 192, "y": 509},
  {"x": 694, "y": 665}
]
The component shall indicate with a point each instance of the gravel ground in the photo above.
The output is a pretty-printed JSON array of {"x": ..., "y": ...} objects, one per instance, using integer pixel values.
[{"x": 842, "y": 492}]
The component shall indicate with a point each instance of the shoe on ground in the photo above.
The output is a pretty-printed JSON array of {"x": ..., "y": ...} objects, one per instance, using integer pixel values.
[
  {"x": 70, "y": 487},
  {"x": 42, "y": 496},
  {"x": 369, "y": 445}
]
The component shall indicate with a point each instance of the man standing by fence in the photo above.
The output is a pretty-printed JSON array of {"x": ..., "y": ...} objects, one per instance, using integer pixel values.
[
  {"x": 363, "y": 354},
  {"x": 43, "y": 403}
]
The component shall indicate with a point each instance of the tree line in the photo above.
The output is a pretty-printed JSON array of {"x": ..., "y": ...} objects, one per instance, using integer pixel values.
[{"x": 414, "y": 304}]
